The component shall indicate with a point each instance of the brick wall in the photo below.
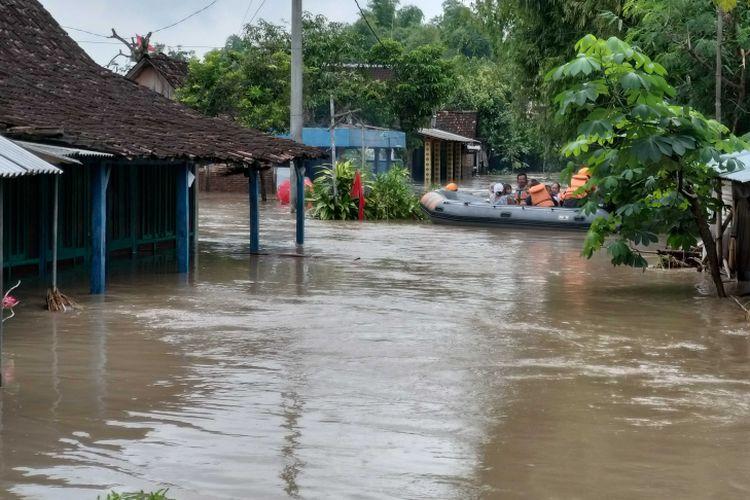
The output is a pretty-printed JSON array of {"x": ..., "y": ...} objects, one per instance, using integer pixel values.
[{"x": 214, "y": 178}]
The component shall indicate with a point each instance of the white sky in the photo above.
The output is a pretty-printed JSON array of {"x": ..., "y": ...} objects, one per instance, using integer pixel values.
[{"x": 209, "y": 28}]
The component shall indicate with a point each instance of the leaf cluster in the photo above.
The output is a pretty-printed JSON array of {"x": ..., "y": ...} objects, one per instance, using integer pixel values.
[{"x": 651, "y": 160}]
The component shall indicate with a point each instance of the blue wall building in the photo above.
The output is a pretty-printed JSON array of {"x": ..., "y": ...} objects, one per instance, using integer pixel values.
[{"x": 381, "y": 145}]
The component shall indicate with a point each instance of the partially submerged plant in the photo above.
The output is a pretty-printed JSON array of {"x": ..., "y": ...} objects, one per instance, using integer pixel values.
[
  {"x": 9, "y": 302},
  {"x": 389, "y": 195},
  {"x": 138, "y": 495},
  {"x": 392, "y": 197}
]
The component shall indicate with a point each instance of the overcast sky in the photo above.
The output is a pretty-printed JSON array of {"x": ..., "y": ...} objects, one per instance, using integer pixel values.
[{"x": 207, "y": 29}]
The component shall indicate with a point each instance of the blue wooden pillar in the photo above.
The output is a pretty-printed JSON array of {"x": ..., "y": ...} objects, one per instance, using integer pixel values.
[
  {"x": 183, "y": 219},
  {"x": 300, "y": 201},
  {"x": 388, "y": 159},
  {"x": 376, "y": 161},
  {"x": 99, "y": 180},
  {"x": 43, "y": 226},
  {"x": 253, "y": 186}
]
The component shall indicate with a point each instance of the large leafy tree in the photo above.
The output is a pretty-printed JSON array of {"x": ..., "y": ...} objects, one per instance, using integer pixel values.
[
  {"x": 649, "y": 157},
  {"x": 422, "y": 83},
  {"x": 684, "y": 35}
]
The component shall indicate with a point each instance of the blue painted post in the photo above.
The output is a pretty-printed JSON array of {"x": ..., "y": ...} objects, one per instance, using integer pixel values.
[
  {"x": 99, "y": 177},
  {"x": 388, "y": 159},
  {"x": 300, "y": 202},
  {"x": 376, "y": 161},
  {"x": 183, "y": 219},
  {"x": 43, "y": 227},
  {"x": 253, "y": 184}
]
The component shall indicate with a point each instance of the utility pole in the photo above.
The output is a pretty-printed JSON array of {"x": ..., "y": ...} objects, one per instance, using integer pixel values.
[
  {"x": 333, "y": 148},
  {"x": 296, "y": 119}
]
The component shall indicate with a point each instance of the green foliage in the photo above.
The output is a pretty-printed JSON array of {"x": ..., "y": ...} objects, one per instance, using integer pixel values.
[
  {"x": 486, "y": 87},
  {"x": 648, "y": 157},
  {"x": 139, "y": 495},
  {"x": 423, "y": 82},
  {"x": 325, "y": 205},
  {"x": 391, "y": 197},
  {"x": 388, "y": 196},
  {"x": 683, "y": 35}
]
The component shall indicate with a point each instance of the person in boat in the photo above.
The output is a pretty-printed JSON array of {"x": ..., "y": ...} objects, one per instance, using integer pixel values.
[
  {"x": 573, "y": 197},
  {"x": 522, "y": 184},
  {"x": 502, "y": 195},
  {"x": 539, "y": 195},
  {"x": 555, "y": 192}
]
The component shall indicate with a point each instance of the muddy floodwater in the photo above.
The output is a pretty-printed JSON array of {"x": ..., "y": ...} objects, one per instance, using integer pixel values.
[{"x": 394, "y": 361}]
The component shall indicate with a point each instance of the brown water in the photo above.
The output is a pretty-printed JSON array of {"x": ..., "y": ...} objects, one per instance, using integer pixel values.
[{"x": 396, "y": 361}]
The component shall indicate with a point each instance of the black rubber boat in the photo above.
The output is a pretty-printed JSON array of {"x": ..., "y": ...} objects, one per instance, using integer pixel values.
[{"x": 457, "y": 207}]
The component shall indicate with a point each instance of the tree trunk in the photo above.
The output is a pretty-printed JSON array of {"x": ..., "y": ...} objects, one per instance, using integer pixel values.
[
  {"x": 708, "y": 243},
  {"x": 719, "y": 41}
]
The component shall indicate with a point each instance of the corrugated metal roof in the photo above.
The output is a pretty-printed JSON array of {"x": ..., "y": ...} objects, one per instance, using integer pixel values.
[
  {"x": 60, "y": 151},
  {"x": 445, "y": 136},
  {"x": 742, "y": 164},
  {"x": 15, "y": 161}
]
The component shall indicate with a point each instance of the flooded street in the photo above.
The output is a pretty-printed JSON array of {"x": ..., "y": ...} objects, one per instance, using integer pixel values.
[{"x": 394, "y": 361}]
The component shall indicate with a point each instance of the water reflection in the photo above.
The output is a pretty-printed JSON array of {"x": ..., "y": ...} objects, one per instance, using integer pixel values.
[{"x": 392, "y": 361}]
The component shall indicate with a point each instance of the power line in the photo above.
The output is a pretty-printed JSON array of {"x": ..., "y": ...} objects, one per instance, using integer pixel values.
[
  {"x": 85, "y": 31},
  {"x": 247, "y": 11},
  {"x": 368, "y": 22},
  {"x": 104, "y": 42},
  {"x": 185, "y": 18},
  {"x": 256, "y": 12}
]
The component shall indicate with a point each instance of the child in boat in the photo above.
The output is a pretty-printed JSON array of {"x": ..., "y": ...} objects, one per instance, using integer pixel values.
[
  {"x": 503, "y": 195},
  {"x": 555, "y": 192}
]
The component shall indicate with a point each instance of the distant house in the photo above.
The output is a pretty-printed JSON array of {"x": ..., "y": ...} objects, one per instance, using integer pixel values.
[
  {"x": 160, "y": 73},
  {"x": 451, "y": 151},
  {"x": 463, "y": 123},
  {"x": 132, "y": 191}
]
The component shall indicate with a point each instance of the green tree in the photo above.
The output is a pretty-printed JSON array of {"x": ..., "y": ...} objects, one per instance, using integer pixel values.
[
  {"x": 649, "y": 158},
  {"x": 504, "y": 123},
  {"x": 462, "y": 31},
  {"x": 422, "y": 83},
  {"x": 684, "y": 35}
]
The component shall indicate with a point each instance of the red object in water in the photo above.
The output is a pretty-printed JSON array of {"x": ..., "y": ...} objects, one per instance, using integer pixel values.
[
  {"x": 358, "y": 192},
  {"x": 283, "y": 193},
  {"x": 9, "y": 302}
]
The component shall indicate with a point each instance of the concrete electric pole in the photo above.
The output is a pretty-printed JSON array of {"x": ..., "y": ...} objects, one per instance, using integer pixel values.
[{"x": 296, "y": 118}]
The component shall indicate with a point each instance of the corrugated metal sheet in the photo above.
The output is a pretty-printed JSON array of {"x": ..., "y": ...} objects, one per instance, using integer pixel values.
[
  {"x": 434, "y": 133},
  {"x": 15, "y": 161},
  {"x": 742, "y": 173},
  {"x": 60, "y": 151}
]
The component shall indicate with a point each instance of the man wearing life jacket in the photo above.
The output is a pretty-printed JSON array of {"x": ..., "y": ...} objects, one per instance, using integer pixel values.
[
  {"x": 539, "y": 195},
  {"x": 571, "y": 198}
]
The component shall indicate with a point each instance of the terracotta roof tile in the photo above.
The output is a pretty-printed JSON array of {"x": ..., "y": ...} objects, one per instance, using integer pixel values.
[
  {"x": 50, "y": 88},
  {"x": 458, "y": 122}
]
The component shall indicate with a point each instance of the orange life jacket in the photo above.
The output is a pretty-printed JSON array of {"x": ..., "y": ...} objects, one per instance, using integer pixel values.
[
  {"x": 540, "y": 197},
  {"x": 576, "y": 182}
]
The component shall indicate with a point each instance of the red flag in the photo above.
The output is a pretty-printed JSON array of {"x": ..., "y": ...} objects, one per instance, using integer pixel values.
[{"x": 358, "y": 192}]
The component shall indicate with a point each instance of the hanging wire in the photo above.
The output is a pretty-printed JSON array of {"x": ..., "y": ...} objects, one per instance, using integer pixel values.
[
  {"x": 256, "y": 12},
  {"x": 185, "y": 18},
  {"x": 368, "y": 23},
  {"x": 247, "y": 11},
  {"x": 85, "y": 31}
]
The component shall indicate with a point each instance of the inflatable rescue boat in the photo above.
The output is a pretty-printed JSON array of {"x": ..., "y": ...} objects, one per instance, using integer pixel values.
[{"x": 459, "y": 207}]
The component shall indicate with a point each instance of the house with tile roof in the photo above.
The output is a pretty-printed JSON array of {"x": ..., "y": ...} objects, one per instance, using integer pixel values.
[{"x": 138, "y": 195}]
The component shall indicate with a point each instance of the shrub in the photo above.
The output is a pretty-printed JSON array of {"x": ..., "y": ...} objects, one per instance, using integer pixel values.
[
  {"x": 392, "y": 197},
  {"x": 327, "y": 207},
  {"x": 388, "y": 197}
]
